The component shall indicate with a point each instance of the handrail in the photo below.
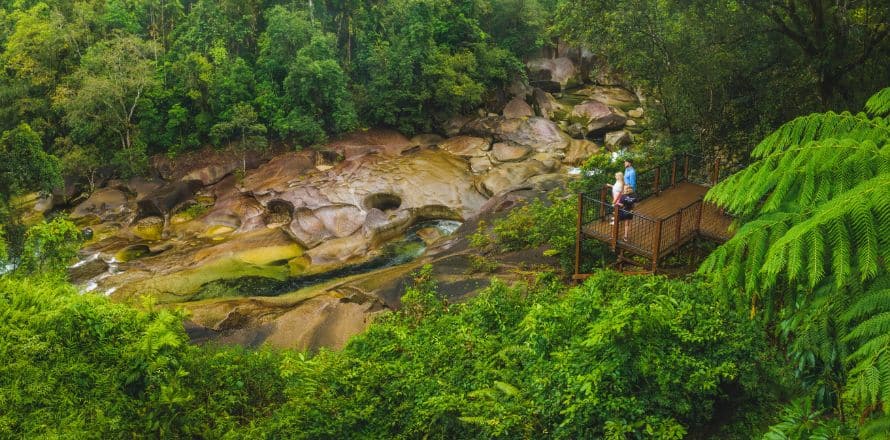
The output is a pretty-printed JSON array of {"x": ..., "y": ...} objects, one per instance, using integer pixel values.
[{"x": 645, "y": 235}]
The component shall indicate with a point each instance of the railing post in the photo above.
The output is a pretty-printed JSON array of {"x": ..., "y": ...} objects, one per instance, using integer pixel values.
[
  {"x": 656, "y": 247},
  {"x": 602, "y": 202},
  {"x": 679, "y": 226},
  {"x": 657, "y": 180},
  {"x": 578, "y": 236},
  {"x": 674, "y": 172},
  {"x": 701, "y": 203},
  {"x": 615, "y": 222}
]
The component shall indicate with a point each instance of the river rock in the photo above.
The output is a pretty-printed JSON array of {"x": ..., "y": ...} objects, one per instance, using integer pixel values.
[
  {"x": 510, "y": 175},
  {"x": 598, "y": 116},
  {"x": 339, "y": 251},
  {"x": 274, "y": 175},
  {"x": 540, "y": 134},
  {"x": 105, "y": 204},
  {"x": 618, "y": 138},
  {"x": 579, "y": 151},
  {"x": 518, "y": 108},
  {"x": 165, "y": 199},
  {"x": 612, "y": 96},
  {"x": 519, "y": 89},
  {"x": 374, "y": 141},
  {"x": 507, "y": 152},
  {"x": 453, "y": 125},
  {"x": 466, "y": 146},
  {"x": 552, "y": 74},
  {"x": 208, "y": 165},
  {"x": 548, "y": 107},
  {"x": 426, "y": 140},
  {"x": 480, "y": 164},
  {"x": 142, "y": 187},
  {"x": 148, "y": 228}
]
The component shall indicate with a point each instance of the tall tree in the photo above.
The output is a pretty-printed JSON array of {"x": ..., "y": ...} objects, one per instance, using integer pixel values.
[
  {"x": 104, "y": 95},
  {"x": 836, "y": 38}
]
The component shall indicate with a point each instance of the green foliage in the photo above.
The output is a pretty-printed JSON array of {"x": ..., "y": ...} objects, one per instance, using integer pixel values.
[
  {"x": 642, "y": 356},
  {"x": 106, "y": 93},
  {"x": 549, "y": 222},
  {"x": 50, "y": 246},
  {"x": 813, "y": 251},
  {"x": 78, "y": 366},
  {"x": 24, "y": 166}
]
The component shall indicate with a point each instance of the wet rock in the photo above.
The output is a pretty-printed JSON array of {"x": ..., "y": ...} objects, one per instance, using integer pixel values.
[
  {"x": 87, "y": 269},
  {"x": 165, "y": 200},
  {"x": 466, "y": 146},
  {"x": 148, "y": 228},
  {"x": 611, "y": 96},
  {"x": 480, "y": 164},
  {"x": 453, "y": 125},
  {"x": 579, "y": 151},
  {"x": 429, "y": 235},
  {"x": 339, "y": 251},
  {"x": 518, "y": 108},
  {"x": 597, "y": 116},
  {"x": 426, "y": 140},
  {"x": 548, "y": 107},
  {"x": 106, "y": 204},
  {"x": 552, "y": 74},
  {"x": 540, "y": 134},
  {"x": 519, "y": 89},
  {"x": 507, "y": 152},
  {"x": 618, "y": 138},
  {"x": 510, "y": 175},
  {"x": 373, "y": 141},
  {"x": 142, "y": 187}
]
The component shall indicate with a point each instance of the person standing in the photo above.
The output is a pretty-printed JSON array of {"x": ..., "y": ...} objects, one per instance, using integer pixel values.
[{"x": 630, "y": 175}]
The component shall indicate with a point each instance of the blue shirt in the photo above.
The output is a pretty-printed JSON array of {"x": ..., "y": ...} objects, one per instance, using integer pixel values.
[{"x": 630, "y": 177}]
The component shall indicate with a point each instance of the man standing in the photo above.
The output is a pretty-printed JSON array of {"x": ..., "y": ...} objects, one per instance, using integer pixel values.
[{"x": 630, "y": 175}]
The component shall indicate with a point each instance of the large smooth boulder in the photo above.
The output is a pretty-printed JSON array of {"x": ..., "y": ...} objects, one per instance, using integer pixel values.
[
  {"x": 598, "y": 116},
  {"x": 540, "y": 134},
  {"x": 105, "y": 204},
  {"x": 518, "y": 108},
  {"x": 374, "y": 141},
  {"x": 511, "y": 175},
  {"x": 165, "y": 200},
  {"x": 617, "y": 138},
  {"x": 579, "y": 151},
  {"x": 507, "y": 152},
  {"x": 548, "y": 107},
  {"x": 208, "y": 165},
  {"x": 612, "y": 96},
  {"x": 466, "y": 146},
  {"x": 552, "y": 74}
]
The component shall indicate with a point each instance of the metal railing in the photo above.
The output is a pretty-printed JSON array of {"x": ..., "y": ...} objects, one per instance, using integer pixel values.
[{"x": 643, "y": 235}]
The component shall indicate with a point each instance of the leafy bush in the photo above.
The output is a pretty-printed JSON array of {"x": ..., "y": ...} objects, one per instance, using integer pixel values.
[
  {"x": 78, "y": 366},
  {"x": 619, "y": 356}
]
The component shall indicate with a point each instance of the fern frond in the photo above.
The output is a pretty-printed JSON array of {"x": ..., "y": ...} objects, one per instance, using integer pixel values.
[
  {"x": 877, "y": 429},
  {"x": 854, "y": 205},
  {"x": 879, "y": 103}
]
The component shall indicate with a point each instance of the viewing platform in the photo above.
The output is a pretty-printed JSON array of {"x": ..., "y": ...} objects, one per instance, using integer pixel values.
[{"x": 669, "y": 212}]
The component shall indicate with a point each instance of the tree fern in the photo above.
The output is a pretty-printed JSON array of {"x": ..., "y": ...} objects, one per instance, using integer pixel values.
[{"x": 813, "y": 244}]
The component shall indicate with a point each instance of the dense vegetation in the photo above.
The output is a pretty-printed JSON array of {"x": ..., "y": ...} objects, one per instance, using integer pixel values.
[
  {"x": 782, "y": 333},
  {"x": 619, "y": 356}
]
